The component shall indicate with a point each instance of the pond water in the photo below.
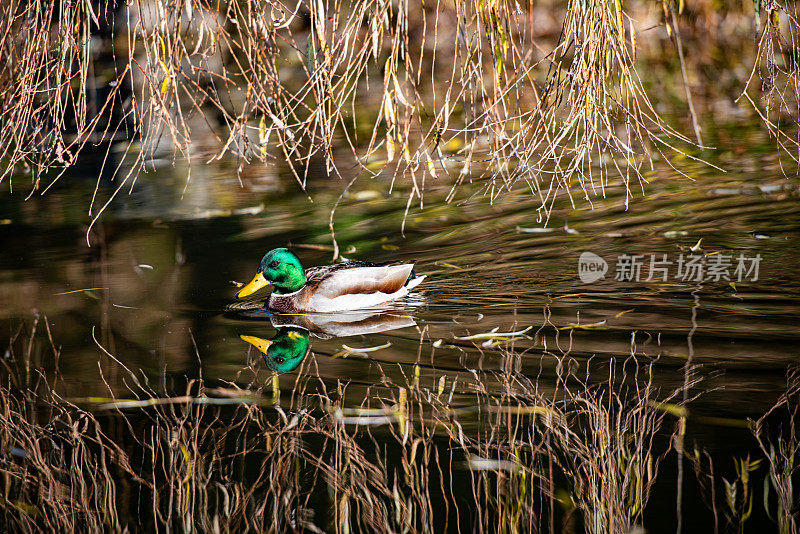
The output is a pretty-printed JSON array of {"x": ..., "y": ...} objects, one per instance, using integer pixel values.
[{"x": 152, "y": 297}]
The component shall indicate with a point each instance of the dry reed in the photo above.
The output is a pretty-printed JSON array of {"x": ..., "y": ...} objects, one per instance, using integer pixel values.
[{"x": 464, "y": 90}]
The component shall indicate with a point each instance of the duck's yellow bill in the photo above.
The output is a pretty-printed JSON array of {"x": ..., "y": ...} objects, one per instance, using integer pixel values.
[
  {"x": 258, "y": 342},
  {"x": 255, "y": 284}
]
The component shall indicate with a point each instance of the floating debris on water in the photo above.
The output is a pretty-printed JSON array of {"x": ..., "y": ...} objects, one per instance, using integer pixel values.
[
  {"x": 675, "y": 233},
  {"x": 361, "y": 352},
  {"x": 522, "y": 230},
  {"x": 494, "y": 335}
]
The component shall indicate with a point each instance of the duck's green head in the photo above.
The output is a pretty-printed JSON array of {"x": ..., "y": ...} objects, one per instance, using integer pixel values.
[
  {"x": 279, "y": 267},
  {"x": 285, "y": 351}
]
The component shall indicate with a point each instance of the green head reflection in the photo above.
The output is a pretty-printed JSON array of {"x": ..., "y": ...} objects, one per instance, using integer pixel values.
[{"x": 284, "y": 352}]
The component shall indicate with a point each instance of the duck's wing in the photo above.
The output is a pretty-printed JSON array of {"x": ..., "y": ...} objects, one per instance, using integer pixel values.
[
  {"x": 356, "y": 278},
  {"x": 314, "y": 274}
]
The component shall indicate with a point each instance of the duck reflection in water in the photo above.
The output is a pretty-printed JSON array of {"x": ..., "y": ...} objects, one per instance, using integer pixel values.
[{"x": 287, "y": 349}]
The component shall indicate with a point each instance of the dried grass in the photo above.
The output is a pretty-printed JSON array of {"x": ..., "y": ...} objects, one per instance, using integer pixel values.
[{"x": 406, "y": 459}]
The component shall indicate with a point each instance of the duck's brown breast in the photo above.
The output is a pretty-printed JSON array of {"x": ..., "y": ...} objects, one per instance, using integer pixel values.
[{"x": 288, "y": 303}]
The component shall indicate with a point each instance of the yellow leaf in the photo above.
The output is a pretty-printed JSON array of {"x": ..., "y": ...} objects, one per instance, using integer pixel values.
[
  {"x": 375, "y": 36},
  {"x": 167, "y": 78},
  {"x": 499, "y": 66},
  {"x": 390, "y": 147},
  {"x": 388, "y": 108},
  {"x": 431, "y": 167},
  {"x": 398, "y": 91},
  {"x": 775, "y": 20},
  {"x": 262, "y": 135}
]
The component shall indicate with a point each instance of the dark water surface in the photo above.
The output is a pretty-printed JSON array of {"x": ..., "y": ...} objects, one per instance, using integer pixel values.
[{"x": 154, "y": 291}]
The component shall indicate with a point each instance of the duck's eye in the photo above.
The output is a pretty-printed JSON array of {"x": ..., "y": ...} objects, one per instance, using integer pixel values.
[
  {"x": 274, "y": 264},
  {"x": 279, "y": 360}
]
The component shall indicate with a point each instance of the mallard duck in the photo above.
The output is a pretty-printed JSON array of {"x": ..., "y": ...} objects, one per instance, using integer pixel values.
[
  {"x": 285, "y": 351},
  {"x": 330, "y": 288}
]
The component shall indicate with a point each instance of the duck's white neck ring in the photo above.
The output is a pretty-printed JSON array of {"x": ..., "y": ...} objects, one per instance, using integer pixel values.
[{"x": 282, "y": 295}]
